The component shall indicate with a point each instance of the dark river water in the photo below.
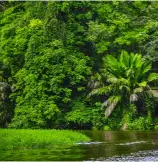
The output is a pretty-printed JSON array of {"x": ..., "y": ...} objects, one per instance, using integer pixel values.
[{"x": 104, "y": 146}]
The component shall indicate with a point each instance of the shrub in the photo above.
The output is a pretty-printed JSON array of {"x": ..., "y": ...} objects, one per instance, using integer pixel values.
[
  {"x": 141, "y": 123},
  {"x": 106, "y": 128},
  {"x": 156, "y": 127},
  {"x": 83, "y": 114}
]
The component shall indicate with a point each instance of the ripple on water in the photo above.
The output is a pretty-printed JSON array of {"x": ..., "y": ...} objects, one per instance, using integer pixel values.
[
  {"x": 132, "y": 143},
  {"x": 88, "y": 143}
]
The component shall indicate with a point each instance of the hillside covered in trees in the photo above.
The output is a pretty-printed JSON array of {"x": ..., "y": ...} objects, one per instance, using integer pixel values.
[{"x": 78, "y": 64}]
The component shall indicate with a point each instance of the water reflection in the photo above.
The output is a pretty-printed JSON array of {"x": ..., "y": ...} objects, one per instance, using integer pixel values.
[
  {"x": 48, "y": 154},
  {"x": 120, "y": 143}
]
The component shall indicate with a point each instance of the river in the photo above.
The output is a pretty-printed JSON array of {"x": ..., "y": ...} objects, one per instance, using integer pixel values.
[{"x": 104, "y": 146}]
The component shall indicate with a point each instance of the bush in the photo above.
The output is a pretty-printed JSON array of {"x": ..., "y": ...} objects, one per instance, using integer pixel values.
[
  {"x": 137, "y": 124},
  {"x": 94, "y": 128},
  {"x": 141, "y": 123},
  {"x": 106, "y": 128},
  {"x": 83, "y": 114},
  {"x": 115, "y": 119},
  {"x": 156, "y": 127}
]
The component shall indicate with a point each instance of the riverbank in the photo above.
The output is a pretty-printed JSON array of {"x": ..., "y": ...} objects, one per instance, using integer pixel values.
[{"x": 23, "y": 138}]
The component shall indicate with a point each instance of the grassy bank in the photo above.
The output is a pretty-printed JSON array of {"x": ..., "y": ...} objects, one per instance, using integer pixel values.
[{"x": 23, "y": 138}]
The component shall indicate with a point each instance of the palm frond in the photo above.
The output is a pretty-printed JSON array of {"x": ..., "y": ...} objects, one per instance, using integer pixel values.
[
  {"x": 152, "y": 77},
  {"x": 112, "y": 63},
  {"x": 121, "y": 87},
  {"x": 131, "y": 59},
  {"x": 99, "y": 91},
  {"x": 112, "y": 79},
  {"x": 124, "y": 59},
  {"x": 95, "y": 81},
  {"x": 95, "y": 84},
  {"x": 110, "y": 104},
  {"x": 124, "y": 81},
  {"x": 135, "y": 56},
  {"x": 133, "y": 97},
  {"x": 142, "y": 84},
  {"x": 138, "y": 90},
  {"x": 146, "y": 67},
  {"x": 138, "y": 61},
  {"x": 148, "y": 93},
  {"x": 93, "y": 92}
]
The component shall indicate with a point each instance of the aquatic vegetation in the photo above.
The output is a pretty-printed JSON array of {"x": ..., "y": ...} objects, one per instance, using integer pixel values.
[
  {"x": 22, "y": 138},
  {"x": 156, "y": 127}
]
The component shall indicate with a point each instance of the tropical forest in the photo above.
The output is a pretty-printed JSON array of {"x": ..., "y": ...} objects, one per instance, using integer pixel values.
[{"x": 76, "y": 65}]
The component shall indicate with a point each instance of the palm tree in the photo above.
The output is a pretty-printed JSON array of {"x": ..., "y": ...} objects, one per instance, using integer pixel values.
[{"x": 127, "y": 78}]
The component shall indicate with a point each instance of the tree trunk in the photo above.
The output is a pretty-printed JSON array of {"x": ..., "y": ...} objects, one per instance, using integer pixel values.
[{"x": 125, "y": 119}]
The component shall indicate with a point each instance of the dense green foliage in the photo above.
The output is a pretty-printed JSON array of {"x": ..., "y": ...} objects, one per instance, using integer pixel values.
[
  {"x": 18, "y": 139},
  {"x": 52, "y": 54}
]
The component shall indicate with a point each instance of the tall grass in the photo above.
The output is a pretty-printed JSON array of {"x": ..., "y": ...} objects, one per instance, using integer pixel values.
[{"x": 23, "y": 138}]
